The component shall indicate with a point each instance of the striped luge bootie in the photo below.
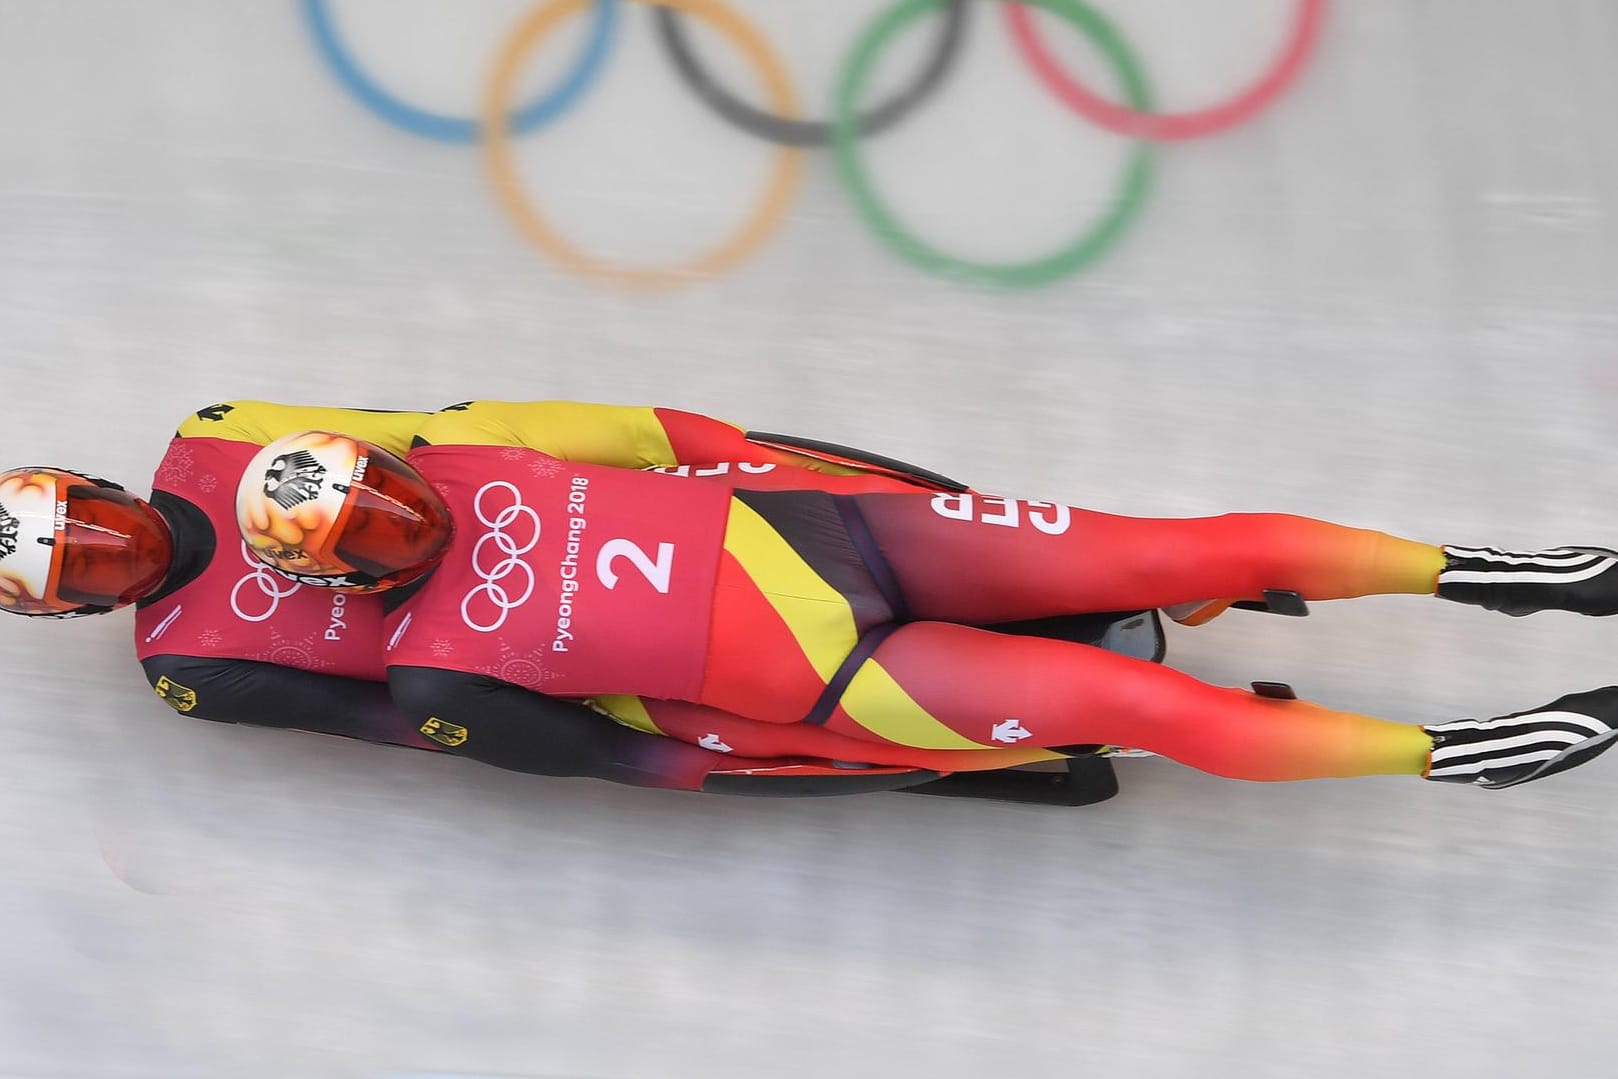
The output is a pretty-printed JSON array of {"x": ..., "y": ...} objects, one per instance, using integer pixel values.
[
  {"x": 1583, "y": 580},
  {"x": 1525, "y": 746}
]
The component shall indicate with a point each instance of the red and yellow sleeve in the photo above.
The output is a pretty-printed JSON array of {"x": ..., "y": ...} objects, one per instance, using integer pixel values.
[{"x": 622, "y": 436}]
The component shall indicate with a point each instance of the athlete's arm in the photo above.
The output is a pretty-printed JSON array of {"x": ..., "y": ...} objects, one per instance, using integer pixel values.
[
  {"x": 265, "y": 695},
  {"x": 262, "y": 422},
  {"x": 622, "y": 436},
  {"x": 511, "y": 727}
]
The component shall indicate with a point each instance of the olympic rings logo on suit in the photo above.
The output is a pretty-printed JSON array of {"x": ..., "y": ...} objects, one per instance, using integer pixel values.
[
  {"x": 781, "y": 124},
  {"x": 271, "y": 585},
  {"x": 492, "y": 589}
]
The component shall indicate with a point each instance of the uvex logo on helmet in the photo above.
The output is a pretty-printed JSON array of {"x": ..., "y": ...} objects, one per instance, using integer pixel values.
[
  {"x": 329, "y": 511},
  {"x": 72, "y": 544},
  {"x": 8, "y": 532}
]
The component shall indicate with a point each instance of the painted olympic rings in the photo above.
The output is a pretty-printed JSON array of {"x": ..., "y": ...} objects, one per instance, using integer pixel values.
[
  {"x": 492, "y": 589},
  {"x": 272, "y": 587},
  {"x": 432, "y": 125},
  {"x": 1164, "y": 127},
  {"x": 778, "y": 120},
  {"x": 790, "y": 132}
]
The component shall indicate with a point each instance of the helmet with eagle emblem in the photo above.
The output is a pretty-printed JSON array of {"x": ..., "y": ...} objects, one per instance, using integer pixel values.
[{"x": 336, "y": 512}]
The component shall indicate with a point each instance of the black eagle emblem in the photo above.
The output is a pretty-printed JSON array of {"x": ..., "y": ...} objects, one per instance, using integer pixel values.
[{"x": 294, "y": 478}]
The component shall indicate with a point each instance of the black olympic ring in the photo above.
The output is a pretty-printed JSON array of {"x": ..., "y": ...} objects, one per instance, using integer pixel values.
[{"x": 813, "y": 133}]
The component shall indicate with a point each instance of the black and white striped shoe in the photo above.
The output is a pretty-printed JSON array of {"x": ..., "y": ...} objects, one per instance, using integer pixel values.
[
  {"x": 1583, "y": 580},
  {"x": 1526, "y": 746}
]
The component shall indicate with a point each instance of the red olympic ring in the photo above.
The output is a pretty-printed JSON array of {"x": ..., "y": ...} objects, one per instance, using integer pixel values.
[{"x": 1168, "y": 127}]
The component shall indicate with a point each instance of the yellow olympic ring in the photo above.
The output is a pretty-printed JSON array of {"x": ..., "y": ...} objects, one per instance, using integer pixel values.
[{"x": 765, "y": 217}]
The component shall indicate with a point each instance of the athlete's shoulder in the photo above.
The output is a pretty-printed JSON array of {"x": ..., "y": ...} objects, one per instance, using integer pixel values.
[
  {"x": 262, "y": 422},
  {"x": 469, "y": 422},
  {"x": 629, "y": 436},
  {"x": 216, "y": 421}
]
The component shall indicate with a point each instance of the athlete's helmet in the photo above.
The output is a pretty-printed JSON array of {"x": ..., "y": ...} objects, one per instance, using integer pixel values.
[
  {"x": 337, "y": 512},
  {"x": 72, "y": 544}
]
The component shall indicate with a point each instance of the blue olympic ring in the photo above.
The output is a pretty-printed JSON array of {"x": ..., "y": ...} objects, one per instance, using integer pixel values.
[{"x": 432, "y": 125}]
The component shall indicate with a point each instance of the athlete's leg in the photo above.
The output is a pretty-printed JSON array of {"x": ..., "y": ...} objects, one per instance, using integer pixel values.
[
  {"x": 725, "y": 732},
  {"x": 789, "y": 613},
  {"x": 979, "y": 559},
  {"x": 1225, "y": 731},
  {"x": 934, "y": 684},
  {"x": 946, "y": 686}
]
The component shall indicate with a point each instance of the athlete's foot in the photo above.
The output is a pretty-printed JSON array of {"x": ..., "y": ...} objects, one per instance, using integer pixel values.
[
  {"x": 1583, "y": 580},
  {"x": 1528, "y": 745}
]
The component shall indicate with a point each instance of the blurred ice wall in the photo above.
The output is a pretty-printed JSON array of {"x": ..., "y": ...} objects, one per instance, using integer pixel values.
[{"x": 1366, "y": 270}]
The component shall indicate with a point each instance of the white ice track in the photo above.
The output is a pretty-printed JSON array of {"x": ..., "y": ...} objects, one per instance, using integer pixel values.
[{"x": 1389, "y": 300}]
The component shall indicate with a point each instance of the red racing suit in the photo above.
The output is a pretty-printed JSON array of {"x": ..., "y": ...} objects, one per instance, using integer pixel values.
[{"x": 224, "y": 639}]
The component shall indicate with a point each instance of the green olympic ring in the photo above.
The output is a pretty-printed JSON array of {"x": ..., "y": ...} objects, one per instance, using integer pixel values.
[{"x": 1032, "y": 273}]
